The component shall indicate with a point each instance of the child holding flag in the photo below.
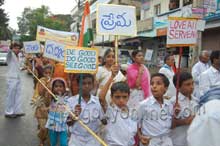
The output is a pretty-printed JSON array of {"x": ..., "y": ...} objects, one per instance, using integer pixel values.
[{"x": 89, "y": 110}]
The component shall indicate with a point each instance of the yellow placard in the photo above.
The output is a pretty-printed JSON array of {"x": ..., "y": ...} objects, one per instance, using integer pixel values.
[{"x": 80, "y": 60}]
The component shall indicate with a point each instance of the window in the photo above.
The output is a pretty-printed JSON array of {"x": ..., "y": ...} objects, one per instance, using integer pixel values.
[
  {"x": 174, "y": 4},
  {"x": 157, "y": 9},
  {"x": 187, "y": 2}
]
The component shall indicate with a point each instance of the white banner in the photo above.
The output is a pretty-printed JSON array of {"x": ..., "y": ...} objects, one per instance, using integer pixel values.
[
  {"x": 67, "y": 38},
  {"x": 54, "y": 50},
  {"x": 182, "y": 32},
  {"x": 148, "y": 55},
  {"x": 32, "y": 47},
  {"x": 116, "y": 20}
]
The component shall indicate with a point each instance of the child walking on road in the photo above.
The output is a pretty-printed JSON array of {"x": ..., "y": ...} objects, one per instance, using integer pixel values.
[{"x": 57, "y": 116}]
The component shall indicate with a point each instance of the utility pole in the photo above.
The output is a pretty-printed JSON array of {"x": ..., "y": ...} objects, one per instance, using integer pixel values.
[{"x": 78, "y": 21}]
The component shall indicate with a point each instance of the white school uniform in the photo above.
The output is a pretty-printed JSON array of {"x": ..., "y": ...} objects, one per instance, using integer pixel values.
[
  {"x": 197, "y": 70},
  {"x": 155, "y": 121},
  {"x": 102, "y": 76},
  {"x": 91, "y": 115},
  {"x": 168, "y": 72},
  {"x": 13, "y": 98},
  {"x": 188, "y": 107},
  {"x": 204, "y": 129},
  {"x": 208, "y": 79},
  {"x": 121, "y": 127}
]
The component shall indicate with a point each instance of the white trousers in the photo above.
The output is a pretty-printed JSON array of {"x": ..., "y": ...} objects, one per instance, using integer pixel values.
[
  {"x": 13, "y": 97},
  {"x": 78, "y": 141}
]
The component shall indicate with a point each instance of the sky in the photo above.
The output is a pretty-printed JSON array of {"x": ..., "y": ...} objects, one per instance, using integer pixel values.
[{"x": 14, "y": 8}]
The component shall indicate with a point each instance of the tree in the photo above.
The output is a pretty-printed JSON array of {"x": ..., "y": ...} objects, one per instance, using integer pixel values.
[
  {"x": 4, "y": 31},
  {"x": 30, "y": 18}
]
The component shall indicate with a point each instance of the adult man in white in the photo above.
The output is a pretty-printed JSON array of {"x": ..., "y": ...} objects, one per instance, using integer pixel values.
[
  {"x": 201, "y": 66},
  {"x": 13, "y": 98},
  {"x": 210, "y": 77},
  {"x": 204, "y": 129},
  {"x": 167, "y": 70}
]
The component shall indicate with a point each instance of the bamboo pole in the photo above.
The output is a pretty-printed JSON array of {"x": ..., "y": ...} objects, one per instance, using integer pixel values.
[{"x": 71, "y": 113}]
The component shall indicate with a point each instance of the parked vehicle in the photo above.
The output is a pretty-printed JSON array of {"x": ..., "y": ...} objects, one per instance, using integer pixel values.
[{"x": 3, "y": 58}]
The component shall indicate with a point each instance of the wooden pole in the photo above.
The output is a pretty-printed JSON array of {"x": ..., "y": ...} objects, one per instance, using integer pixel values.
[
  {"x": 80, "y": 88},
  {"x": 178, "y": 74},
  {"x": 116, "y": 50},
  {"x": 71, "y": 113}
]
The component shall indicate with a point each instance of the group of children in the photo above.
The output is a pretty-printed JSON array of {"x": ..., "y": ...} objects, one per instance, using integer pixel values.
[{"x": 156, "y": 122}]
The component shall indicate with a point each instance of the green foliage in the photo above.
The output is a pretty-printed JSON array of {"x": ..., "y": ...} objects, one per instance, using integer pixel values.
[
  {"x": 30, "y": 18},
  {"x": 4, "y": 31}
]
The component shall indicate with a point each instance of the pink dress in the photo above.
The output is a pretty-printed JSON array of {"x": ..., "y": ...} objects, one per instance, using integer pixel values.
[{"x": 137, "y": 95}]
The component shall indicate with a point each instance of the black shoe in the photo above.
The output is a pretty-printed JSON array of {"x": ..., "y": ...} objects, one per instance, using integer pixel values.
[
  {"x": 11, "y": 116},
  {"x": 20, "y": 115}
]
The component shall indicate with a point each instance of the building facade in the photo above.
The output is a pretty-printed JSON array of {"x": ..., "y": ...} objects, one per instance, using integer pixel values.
[{"x": 152, "y": 21}]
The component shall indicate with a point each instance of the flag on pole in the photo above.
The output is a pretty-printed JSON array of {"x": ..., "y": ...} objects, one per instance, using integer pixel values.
[
  {"x": 85, "y": 38},
  {"x": 86, "y": 34}
]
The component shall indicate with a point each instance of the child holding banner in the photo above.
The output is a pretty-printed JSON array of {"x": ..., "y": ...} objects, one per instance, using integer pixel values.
[
  {"x": 89, "y": 111},
  {"x": 41, "y": 102},
  {"x": 57, "y": 116},
  {"x": 188, "y": 108},
  {"x": 120, "y": 117},
  {"x": 104, "y": 73}
]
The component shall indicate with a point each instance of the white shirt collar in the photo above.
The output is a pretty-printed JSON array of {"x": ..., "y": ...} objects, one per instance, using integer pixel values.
[
  {"x": 91, "y": 100},
  {"x": 154, "y": 101},
  {"x": 183, "y": 97},
  {"x": 214, "y": 70}
]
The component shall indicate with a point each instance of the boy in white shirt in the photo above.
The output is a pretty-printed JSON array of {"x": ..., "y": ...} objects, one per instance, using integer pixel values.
[
  {"x": 89, "y": 111},
  {"x": 188, "y": 107},
  {"x": 121, "y": 123},
  {"x": 155, "y": 115}
]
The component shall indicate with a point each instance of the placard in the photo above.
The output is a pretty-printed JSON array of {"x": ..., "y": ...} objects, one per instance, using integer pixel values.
[
  {"x": 81, "y": 60},
  {"x": 116, "y": 20},
  {"x": 148, "y": 54},
  {"x": 54, "y": 50},
  {"x": 32, "y": 47},
  {"x": 67, "y": 38},
  {"x": 181, "y": 32}
]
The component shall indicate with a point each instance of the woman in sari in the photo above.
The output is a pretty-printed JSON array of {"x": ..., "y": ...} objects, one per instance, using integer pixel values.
[
  {"x": 138, "y": 78},
  {"x": 104, "y": 77}
]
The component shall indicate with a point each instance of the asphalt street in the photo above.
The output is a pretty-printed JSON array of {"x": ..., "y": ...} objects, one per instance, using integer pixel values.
[{"x": 19, "y": 131}]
